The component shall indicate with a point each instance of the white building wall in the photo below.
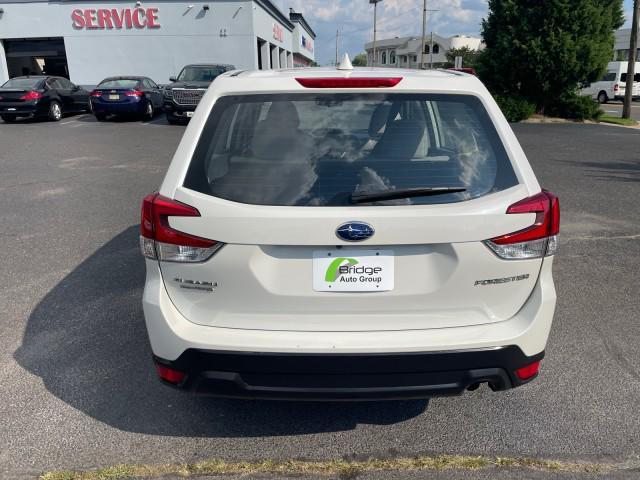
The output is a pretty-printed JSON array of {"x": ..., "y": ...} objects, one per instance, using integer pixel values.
[
  {"x": 298, "y": 33},
  {"x": 263, "y": 27},
  {"x": 226, "y": 33},
  {"x": 4, "y": 73},
  {"x": 464, "y": 41}
]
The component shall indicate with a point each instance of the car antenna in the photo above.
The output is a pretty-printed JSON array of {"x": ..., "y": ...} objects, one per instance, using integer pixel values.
[{"x": 345, "y": 64}]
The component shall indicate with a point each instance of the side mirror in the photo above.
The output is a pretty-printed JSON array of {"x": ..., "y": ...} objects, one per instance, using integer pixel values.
[
  {"x": 75, "y": 88},
  {"x": 172, "y": 79}
]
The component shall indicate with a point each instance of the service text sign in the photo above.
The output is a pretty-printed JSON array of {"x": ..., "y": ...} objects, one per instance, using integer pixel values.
[{"x": 114, "y": 18}]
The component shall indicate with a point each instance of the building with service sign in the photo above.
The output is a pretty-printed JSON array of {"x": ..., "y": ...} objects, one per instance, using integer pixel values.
[
  {"x": 87, "y": 41},
  {"x": 303, "y": 41}
]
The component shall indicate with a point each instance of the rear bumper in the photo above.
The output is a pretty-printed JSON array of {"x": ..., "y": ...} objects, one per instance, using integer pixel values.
[
  {"x": 22, "y": 109},
  {"x": 171, "y": 334},
  {"x": 290, "y": 376},
  {"x": 621, "y": 97},
  {"x": 118, "y": 108},
  {"x": 178, "y": 111}
]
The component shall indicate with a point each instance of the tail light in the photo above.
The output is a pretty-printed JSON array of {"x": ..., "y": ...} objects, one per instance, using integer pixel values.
[
  {"x": 169, "y": 374},
  {"x": 616, "y": 87},
  {"x": 536, "y": 241},
  {"x": 32, "y": 95},
  {"x": 351, "y": 82},
  {"x": 529, "y": 371},
  {"x": 134, "y": 93},
  {"x": 159, "y": 241},
  {"x": 96, "y": 93}
]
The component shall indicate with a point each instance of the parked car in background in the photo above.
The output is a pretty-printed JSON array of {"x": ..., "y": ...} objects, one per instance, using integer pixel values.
[
  {"x": 40, "y": 96},
  {"x": 126, "y": 95},
  {"x": 182, "y": 95},
  {"x": 348, "y": 234},
  {"x": 613, "y": 84}
]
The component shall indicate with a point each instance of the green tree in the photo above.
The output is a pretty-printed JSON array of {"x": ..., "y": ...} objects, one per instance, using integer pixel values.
[
  {"x": 541, "y": 51},
  {"x": 469, "y": 57},
  {"x": 360, "y": 60}
]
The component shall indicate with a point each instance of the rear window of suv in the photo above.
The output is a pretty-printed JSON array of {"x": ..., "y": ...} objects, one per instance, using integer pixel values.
[{"x": 327, "y": 149}]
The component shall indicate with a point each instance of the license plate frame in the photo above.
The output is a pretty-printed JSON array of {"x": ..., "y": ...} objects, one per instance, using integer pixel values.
[{"x": 366, "y": 270}]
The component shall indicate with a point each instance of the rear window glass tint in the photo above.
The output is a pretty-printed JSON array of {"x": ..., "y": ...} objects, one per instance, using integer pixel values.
[
  {"x": 321, "y": 150},
  {"x": 22, "y": 83},
  {"x": 609, "y": 77},
  {"x": 122, "y": 83}
]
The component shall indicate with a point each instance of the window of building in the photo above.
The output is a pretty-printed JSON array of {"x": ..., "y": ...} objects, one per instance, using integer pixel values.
[
  {"x": 436, "y": 49},
  {"x": 414, "y": 58},
  {"x": 392, "y": 57},
  {"x": 384, "y": 58},
  {"x": 426, "y": 49},
  {"x": 263, "y": 56}
]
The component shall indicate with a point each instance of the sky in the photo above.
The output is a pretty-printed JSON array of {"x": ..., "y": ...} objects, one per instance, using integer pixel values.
[{"x": 354, "y": 19}]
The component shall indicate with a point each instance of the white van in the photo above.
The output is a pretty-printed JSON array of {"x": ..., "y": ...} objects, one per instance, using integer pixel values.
[{"x": 612, "y": 86}]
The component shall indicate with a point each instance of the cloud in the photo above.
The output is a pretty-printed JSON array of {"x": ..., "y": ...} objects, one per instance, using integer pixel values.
[{"x": 395, "y": 18}]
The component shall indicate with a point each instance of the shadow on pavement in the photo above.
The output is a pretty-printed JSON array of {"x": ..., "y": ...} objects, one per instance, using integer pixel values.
[
  {"x": 31, "y": 120},
  {"x": 620, "y": 171},
  {"x": 87, "y": 341},
  {"x": 159, "y": 119}
]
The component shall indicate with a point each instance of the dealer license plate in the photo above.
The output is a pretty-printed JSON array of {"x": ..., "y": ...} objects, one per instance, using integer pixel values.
[
  {"x": 353, "y": 270},
  {"x": 189, "y": 114},
  {"x": 114, "y": 97}
]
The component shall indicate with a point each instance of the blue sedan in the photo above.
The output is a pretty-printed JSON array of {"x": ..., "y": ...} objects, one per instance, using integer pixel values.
[{"x": 139, "y": 96}]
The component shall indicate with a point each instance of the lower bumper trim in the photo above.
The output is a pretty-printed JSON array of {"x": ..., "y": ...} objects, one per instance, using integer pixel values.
[{"x": 290, "y": 376}]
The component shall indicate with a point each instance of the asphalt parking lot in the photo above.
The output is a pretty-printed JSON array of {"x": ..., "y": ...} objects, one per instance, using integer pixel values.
[
  {"x": 614, "y": 109},
  {"x": 78, "y": 386}
]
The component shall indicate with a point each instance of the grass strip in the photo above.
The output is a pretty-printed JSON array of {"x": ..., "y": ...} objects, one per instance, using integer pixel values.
[
  {"x": 627, "y": 122},
  {"x": 342, "y": 468}
]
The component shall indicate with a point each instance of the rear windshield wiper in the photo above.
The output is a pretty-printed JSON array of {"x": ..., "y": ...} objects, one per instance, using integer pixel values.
[{"x": 404, "y": 193}]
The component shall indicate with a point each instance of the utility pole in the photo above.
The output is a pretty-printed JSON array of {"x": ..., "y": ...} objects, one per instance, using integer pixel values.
[
  {"x": 631, "y": 65},
  {"x": 424, "y": 23},
  {"x": 424, "y": 26},
  {"x": 375, "y": 8},
  {"x": 337, "y": 38},
  {"x": 431, "y": 52}
]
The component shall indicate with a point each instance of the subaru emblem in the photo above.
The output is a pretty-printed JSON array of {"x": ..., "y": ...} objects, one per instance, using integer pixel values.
[{"x": 354, "y": 231}]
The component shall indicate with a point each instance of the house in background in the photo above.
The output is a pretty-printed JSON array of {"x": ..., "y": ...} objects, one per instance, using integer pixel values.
[{"x": 404, "y": 52}]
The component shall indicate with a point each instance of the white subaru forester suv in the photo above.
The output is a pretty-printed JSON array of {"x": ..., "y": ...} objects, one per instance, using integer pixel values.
[{"x": 348, "y": 234}]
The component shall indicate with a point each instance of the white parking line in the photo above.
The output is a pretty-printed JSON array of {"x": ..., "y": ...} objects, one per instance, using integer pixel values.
[{"x": 64, "y": 123}]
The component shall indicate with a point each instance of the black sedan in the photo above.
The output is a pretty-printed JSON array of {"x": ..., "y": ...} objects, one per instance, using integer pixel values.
[
  {"x": 139, "y": 96},
  {"x": 40, "y": 96}
]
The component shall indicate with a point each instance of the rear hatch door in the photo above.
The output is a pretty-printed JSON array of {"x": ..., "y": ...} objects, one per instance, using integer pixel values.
[{"x": 276, "y": 177}]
